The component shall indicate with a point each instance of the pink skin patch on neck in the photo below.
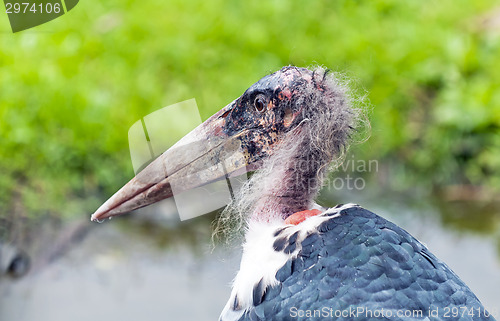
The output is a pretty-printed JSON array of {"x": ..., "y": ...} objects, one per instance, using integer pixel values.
[{"x": 299, "y": 217}]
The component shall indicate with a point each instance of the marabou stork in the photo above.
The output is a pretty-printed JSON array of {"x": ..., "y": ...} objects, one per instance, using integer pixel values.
[{"x": 301, "y": 261}]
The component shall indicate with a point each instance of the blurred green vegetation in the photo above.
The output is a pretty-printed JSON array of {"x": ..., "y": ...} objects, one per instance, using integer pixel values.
[{"x": 71, "y": 88}]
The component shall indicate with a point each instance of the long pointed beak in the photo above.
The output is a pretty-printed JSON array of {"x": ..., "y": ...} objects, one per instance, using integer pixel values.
[{"x": 205, "y": 155}]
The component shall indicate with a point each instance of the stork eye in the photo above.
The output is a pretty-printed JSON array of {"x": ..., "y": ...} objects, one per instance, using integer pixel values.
[{"x": 259, "y": 103}]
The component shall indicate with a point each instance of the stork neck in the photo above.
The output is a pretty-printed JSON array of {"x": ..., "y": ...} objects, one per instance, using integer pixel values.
[{"x": 290, "y": 180}]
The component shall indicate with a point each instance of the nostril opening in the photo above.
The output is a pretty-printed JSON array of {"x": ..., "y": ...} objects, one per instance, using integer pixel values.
[{"x": 225, "y": 114}]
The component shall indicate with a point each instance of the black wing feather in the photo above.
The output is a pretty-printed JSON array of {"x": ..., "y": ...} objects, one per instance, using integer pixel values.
[{"x": 359, "y": 260}]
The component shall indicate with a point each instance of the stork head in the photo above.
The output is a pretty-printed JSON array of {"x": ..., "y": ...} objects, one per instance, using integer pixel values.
[{"x": 292, "y": 104}]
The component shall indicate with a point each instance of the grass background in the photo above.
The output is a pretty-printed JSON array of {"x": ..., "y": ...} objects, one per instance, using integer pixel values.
[{"x": 71, "y": 88}]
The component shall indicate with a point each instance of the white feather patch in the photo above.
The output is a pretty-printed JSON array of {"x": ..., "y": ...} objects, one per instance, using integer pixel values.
[{"x": 260, "y": 261}]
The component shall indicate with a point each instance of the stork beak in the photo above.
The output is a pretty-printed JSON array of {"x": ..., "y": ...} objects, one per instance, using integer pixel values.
[{"x": 205, "y": 155}]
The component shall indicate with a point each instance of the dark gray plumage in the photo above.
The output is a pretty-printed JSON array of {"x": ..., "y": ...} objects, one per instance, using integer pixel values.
[{"x": 361, "y": 261}]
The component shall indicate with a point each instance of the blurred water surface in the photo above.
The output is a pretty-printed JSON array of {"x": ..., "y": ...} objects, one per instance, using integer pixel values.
[{"x": 148, "y": 269}]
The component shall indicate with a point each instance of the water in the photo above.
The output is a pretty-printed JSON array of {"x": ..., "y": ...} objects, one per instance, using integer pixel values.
[
  {"x": 116, "y": 275},
  {"x": 134, "y": 269}
]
